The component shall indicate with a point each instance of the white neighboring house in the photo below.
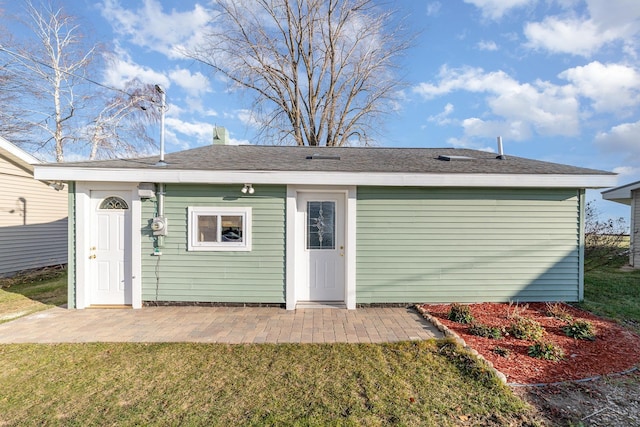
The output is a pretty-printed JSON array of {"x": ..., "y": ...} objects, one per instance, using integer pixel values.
[
  {"x": 629, "y": 195},
  {"x": 33, "y": 215}
]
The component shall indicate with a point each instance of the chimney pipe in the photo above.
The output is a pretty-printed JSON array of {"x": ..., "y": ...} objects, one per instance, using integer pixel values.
[
  {"x": 500, "y": 155},
  {"x": 163, "y": 107}
]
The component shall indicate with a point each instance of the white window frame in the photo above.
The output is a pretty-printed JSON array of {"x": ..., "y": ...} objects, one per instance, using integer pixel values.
[{"x": 195, "y": 211}]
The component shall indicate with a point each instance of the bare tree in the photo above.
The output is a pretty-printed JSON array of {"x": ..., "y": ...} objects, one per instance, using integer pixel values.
[
  {"x": 604, "y": 241},
  {"x": 120, "y": 128},
  {"x": 49, "y": 99},
  {"x": 11, "y": 126},
  {"x": 51, "y": 70},
  {"x": 322, "y": 72}
]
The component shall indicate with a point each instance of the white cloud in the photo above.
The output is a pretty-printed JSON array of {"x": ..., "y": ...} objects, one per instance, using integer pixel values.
[
  {"x": 199, "y": 133},
  {"x": 148, "y": 26},
  {"x": 516, "y": 130},
  {"x": 433, "y": 8},
  {"x": 248, "y": 118},
  {"x": 443, "y": 117},
  {"x": 122, "y": 69},
  {"x": 571, "y": 36},
  {"x": 466, "y": 143},
  {"x": 607, "y": 22},
  {"x": 194, "y": 84},
  {"x": 487, "y": 45},
  {"x": 622, "y": 138},
  {"x": 625, "y": 171},
  {"x": 495, "y": 9},
  {"x": 519, "y": 109},
  {"x": 611, "y": 87}
]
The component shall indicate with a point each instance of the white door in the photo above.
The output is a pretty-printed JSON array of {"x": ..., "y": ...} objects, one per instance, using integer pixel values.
[
  {"x": 110, "y": 248},
  {"x": 323, "y": 246}
]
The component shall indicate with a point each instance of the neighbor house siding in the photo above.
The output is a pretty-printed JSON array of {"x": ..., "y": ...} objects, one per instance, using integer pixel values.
[
  {"x": 257, "y": 276},
  {"x": 33, "y": 221},
  {"x": 634, "y": 256},
  {"x": 467, "y": 245}
]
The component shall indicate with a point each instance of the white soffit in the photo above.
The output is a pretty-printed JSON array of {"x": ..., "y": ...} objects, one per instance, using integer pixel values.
[
  {"x": 43, "y": 172},
  {"x": 621, "y": 194}
]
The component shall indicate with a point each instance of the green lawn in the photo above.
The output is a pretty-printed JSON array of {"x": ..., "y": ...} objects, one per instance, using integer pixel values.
[
  {"x": 27, "y": 293},
  {"x": 615, "y": 293},
  {"x": 409, "y": 383}
]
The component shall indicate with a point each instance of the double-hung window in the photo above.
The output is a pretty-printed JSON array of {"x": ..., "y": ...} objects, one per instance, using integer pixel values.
[{"x": 219, "y": 228}]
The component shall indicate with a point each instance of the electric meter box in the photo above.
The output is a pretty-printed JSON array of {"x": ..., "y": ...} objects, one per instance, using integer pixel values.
[{"x": 159, "y": 226}]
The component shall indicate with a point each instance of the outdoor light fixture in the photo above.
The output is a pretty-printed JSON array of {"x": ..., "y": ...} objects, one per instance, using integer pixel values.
[
  {"x": 57, "y": 185},
  {"x": 248, "y": 188}
]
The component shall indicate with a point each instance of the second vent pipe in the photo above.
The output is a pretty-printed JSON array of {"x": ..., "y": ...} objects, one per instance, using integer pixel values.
[{"x": 501, "y": 155}]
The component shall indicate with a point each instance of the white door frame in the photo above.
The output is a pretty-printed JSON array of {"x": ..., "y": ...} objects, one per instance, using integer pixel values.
[
  {"x": 83, "y": 238},
  {"x": 294, "y": 274}
]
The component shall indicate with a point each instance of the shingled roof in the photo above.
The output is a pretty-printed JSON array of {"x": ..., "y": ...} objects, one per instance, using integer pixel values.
[{"x": 339, "y": 159}]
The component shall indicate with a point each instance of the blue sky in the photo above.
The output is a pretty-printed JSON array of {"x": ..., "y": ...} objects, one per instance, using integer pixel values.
[{"x": 559, "y": 80}]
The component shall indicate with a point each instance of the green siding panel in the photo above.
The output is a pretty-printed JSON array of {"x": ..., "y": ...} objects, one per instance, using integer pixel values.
[
  {"x": 467, "y": 245},
  {"x": 257, "y": 276}
]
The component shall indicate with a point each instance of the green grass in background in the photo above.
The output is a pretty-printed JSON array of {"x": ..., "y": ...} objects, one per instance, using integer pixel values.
[{"x": 613, "y": 292}]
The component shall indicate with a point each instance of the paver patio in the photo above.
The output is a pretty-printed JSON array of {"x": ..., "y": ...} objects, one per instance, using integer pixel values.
[{"x": 232, "y": 325}]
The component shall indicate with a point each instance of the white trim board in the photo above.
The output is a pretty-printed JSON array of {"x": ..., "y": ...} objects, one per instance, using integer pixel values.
[{"x": 44, "y": 172}]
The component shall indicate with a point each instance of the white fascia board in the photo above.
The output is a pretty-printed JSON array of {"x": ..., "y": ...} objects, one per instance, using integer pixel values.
[
  {"x": 44, "y": 172},
  {"x": 621, "y": 194},
  {"x": 17, "y": 153}
]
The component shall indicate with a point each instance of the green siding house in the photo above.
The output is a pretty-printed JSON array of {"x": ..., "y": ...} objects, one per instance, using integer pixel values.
[{"x": 318, "y": 226}]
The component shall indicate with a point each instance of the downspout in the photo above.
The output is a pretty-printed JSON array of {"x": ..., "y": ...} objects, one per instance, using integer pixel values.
[
  {"x": 581, "y": 218},
  {"x": 160, "y": 196}
]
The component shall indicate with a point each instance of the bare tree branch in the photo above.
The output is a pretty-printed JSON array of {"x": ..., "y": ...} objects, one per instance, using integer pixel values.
[
  {"x": 120, "y": 128},
  {"x": 320, "y": 72},
  {"x": 49, "y": 100}
]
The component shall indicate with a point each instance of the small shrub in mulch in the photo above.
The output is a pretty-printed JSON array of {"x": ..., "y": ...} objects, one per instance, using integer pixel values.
[
  {"x": 581, "y": 330},
  {"x": 546, "y": 350},
  {"x": 501, "y": 351},
  {"x": 558, "y": 310},
  {"x": 481, "y": 330},
  {"x": 525, "y": 328},
  {"x": 460, "y": 313},
  {"x": 614, "y": 350}
]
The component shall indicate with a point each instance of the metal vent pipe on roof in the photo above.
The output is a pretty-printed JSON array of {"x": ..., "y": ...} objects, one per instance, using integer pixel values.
[
  {"x": 500, "y": 155},
  {"x": 162, "y": 110}
]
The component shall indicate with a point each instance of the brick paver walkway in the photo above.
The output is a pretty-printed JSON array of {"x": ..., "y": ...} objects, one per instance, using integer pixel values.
[{"x": 219, "y": 325}]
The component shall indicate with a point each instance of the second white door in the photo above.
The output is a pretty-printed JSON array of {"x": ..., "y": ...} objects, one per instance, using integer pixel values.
[{"x": 323, "y": 246}]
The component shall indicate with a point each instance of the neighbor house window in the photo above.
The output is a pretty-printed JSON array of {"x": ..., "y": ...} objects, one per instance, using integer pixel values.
[{"x": 219, "y": 229}]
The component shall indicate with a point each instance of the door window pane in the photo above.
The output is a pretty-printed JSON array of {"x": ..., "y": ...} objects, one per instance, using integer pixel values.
[
  {"x": 113, "y": 202},
  {"x": 321, "y": 225}
]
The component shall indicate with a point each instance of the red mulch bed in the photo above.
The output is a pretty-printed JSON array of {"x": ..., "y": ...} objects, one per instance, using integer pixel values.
[{"x": 615, "y": 348}]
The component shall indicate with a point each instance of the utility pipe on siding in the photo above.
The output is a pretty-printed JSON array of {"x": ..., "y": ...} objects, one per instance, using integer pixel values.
[{"x": 161, "y": 162}]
